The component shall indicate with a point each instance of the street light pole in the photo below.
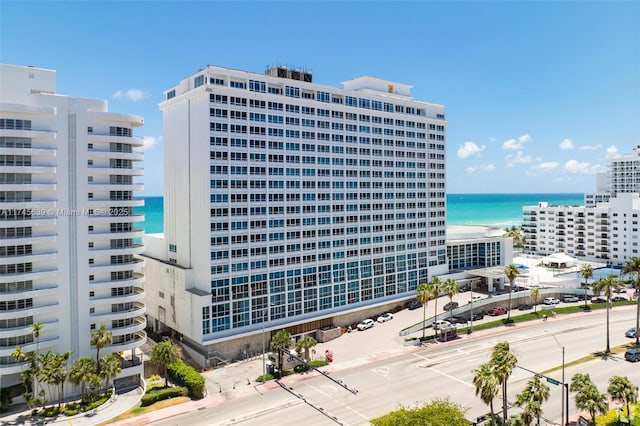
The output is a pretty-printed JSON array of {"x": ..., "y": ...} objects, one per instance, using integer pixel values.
[
  {"x": 264, "y": 368},
  {"x": 471, "y": 317},
  {"x": 565, "y": 386}
]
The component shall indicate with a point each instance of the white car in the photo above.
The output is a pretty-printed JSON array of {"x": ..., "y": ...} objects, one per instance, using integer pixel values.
[
  {"x": 569, "y": 299},
  {"x": 385, "y": 317},
  {"x": 476, "y": 297},
  {"x": 551, "y": 301},
  {"x": 365, "y": 324},
  {"x": 440, "y": 324}
]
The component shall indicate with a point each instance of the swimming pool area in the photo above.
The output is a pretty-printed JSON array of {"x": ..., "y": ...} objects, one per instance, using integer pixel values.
[{"x": 597, "y": 274}]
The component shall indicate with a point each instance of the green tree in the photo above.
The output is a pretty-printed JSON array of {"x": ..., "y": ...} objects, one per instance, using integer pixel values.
[
  {"x": 632, "y": 267},
  {"x": 450, "y": 288},
  {"x": 281, "y": 340},
  {"x": 110, "y": 368},
  {"x": 100, "y": 338},
  {"x": 25, "y": 375},
  {"x": 164, "y": 354},
  {"x": 305, "y": 344},
  {"x": 531, "y": 399},
  {"x": 423, "y": 294},
  {"x": 586, "y": 270},
  {"x": 82, "y": 371},
  {"x": 46, "y": 371},
  {"x": 517, "y": 235},
  {"x": 621, "y": 389},
  {"x": 502, "y": 363},
  {"x": 588, "y": 397},
  {"x": 36, "y": 329},
  {"x": 486, "y": 384},
  {"x": 512, "y": 272},
  {"x": 607, "y": 286},
  {"x": 435, "y": 288},
  {"x": 535, "y": 295},
  {"x": 439, "y": 412}
]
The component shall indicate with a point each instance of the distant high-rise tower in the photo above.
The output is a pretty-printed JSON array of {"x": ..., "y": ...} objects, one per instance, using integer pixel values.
[
  {"x": 290, "y": 204},
  {"x": 68, "y": 240}
]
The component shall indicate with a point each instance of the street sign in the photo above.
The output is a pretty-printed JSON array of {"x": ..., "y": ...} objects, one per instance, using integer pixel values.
[{"x": 552, "y": 381}]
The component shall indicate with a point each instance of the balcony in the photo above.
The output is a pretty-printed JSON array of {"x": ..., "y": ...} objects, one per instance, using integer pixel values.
[
  {"x": 139, "y": 324},
  {"x": 106, "y": 218},
  {"x": 136, "y": 281},
  {"x": 31, "y": 257},
  {"x": 136, "y": 296},
  {"x": 38, "y": 291},
  {"x": 30, "y": 275},
  {"x": 38, "y": 309},
  {"x": 43, "y": 344},
  {"x": 109, "y": 251},
  {"x": 138, "y": 309},
  {"x": 139, "y": 339}
]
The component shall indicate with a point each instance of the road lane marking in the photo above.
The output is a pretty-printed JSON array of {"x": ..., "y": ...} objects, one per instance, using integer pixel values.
[
  {"x": 442, "y": 373},
  {"x": 338, "y": 401},
  {"x": 382, "y": 371},
  {"x": 423, "y": 357}
]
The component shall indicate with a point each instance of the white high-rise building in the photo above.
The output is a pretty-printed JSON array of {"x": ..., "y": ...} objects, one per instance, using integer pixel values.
[
  {"x": 68, "y": 235},
  {"x": 290, "y": 204},
  {"x": 605, "y": 229}
]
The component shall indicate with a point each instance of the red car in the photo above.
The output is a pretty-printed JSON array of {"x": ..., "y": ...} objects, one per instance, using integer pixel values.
[{"x": 496, "y": 310}]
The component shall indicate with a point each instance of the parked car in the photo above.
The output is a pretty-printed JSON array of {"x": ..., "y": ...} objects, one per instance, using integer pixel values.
[
  {"x": 551, "y": 301},
  {"x": 458, "y": 319},
  {"x": 365, "y": 324},
  {"x": 415, "y": 304},
  {"x": 450, "y": 306},
  {"x": 385, "y": 317},
  {"x": 524, "y": 307},
  {"x": 620, "y": 290},
  {"x": 570, "y": 299},
  {"x": 497, "y": 310},
  {"x": 582, "y": 296},
  {"x": 598, "y": 300},
  {"x": 476, "y": 297},
  {"x": 477, "y": 315},
  {"x": 440, "y": 324},
  {"x": 632, "y": 355},
  {"x": 632, "y": 332},
  {"x": 618, "y": 299}
]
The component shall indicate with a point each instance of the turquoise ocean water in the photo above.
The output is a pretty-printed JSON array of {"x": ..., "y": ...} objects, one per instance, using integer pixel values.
[{"x": 462, "y": 209}]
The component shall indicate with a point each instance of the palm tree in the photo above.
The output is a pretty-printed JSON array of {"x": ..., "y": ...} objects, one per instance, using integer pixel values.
[
  {"x": 423, "y": 294},
  {"x": 512, "y": 272},
  {"x": 517, "y": 235},
  {"x": 450, "y": 288},
  {"x": 588, "y": 397},
  {"x": 586, "y": 270},
  {"x": 621, "y": 389},
  {"x": 36, "y": 328},
  {"x": 164, "y": 354},
  {"x": 531, "y": 399},
  {"x": 502, "y": 363},
  {"x": 110, "y": 368},
  {"x": 435, "y": 287},
  {"x": 304, "y": 344},
  {"x": 607, "y": 286},
  {"x": 486, "y": 384},
  {"x": 281, "y": 340},
  {"x": 47, "y": 370},
  {"x": 25, "y": 375},
  {"x": 59, "y": 375},
  {"x": 632, "y": 266},
  {"x": 100, "y": 338},
  {"x": 535, "y": 294},
  {"x": 81, "y": 373}
]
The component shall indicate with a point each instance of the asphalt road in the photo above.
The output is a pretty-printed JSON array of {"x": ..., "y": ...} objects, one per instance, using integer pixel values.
[{"x": 440, "y": 370}]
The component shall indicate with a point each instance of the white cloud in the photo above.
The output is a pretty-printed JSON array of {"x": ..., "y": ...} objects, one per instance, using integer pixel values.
[
  {"x": 512, "y": 160},
  {"x": 590, "y": 147},
  {"x": 470, "y": 169},
  {"x": 484, "y": 168},
  {"x": 517, "y": 143},
  {"x": 470, "y": 149},
  {"x": 566, "y": 144},
  {"x": 489, "y": 168},
  {"x": 612, "y": 152},
  {"x": 574, "y": 167},
  {"x": 132, "y": 95},
  {"x": 150, "y": 142},
  {"x": 547, "y": 166}
]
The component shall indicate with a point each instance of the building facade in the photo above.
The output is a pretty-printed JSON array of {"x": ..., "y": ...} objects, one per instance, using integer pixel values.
[
  {"x": 68, "y": 240},
  {"x": 289, "y": 203},
  {"x": 605, "y": 229}
]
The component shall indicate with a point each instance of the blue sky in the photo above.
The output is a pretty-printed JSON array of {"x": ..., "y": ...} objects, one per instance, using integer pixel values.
[{"x": 538, "y": 94}]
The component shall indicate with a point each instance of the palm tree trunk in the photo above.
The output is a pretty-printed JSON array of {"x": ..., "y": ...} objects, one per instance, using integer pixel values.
[
  {"x": 509, "y": 311},
  {"x": 166, "y": 378},
  {"x": 435, "y": 318},
  {"x": 424, "y": 319},
  {"x": 608, "y": 311},
  {"x": 504, "y": 401},
  {"x": 638, "y": 317}
]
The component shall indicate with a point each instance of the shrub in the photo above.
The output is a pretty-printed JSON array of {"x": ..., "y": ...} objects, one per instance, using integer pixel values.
[
  {"x": 264, "y": 378},
  {"x": 300, "y": 368},
  {"x": 160, "y": 394},
  {"x": 318, "y": 363},
  {"x": 155, "y": 378},
  {"x": 71, "y": 409},
  {"x": 5, "y": 399},
  {"x": 188, "y": 377},
  {"x": 52, "y": 411}
]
